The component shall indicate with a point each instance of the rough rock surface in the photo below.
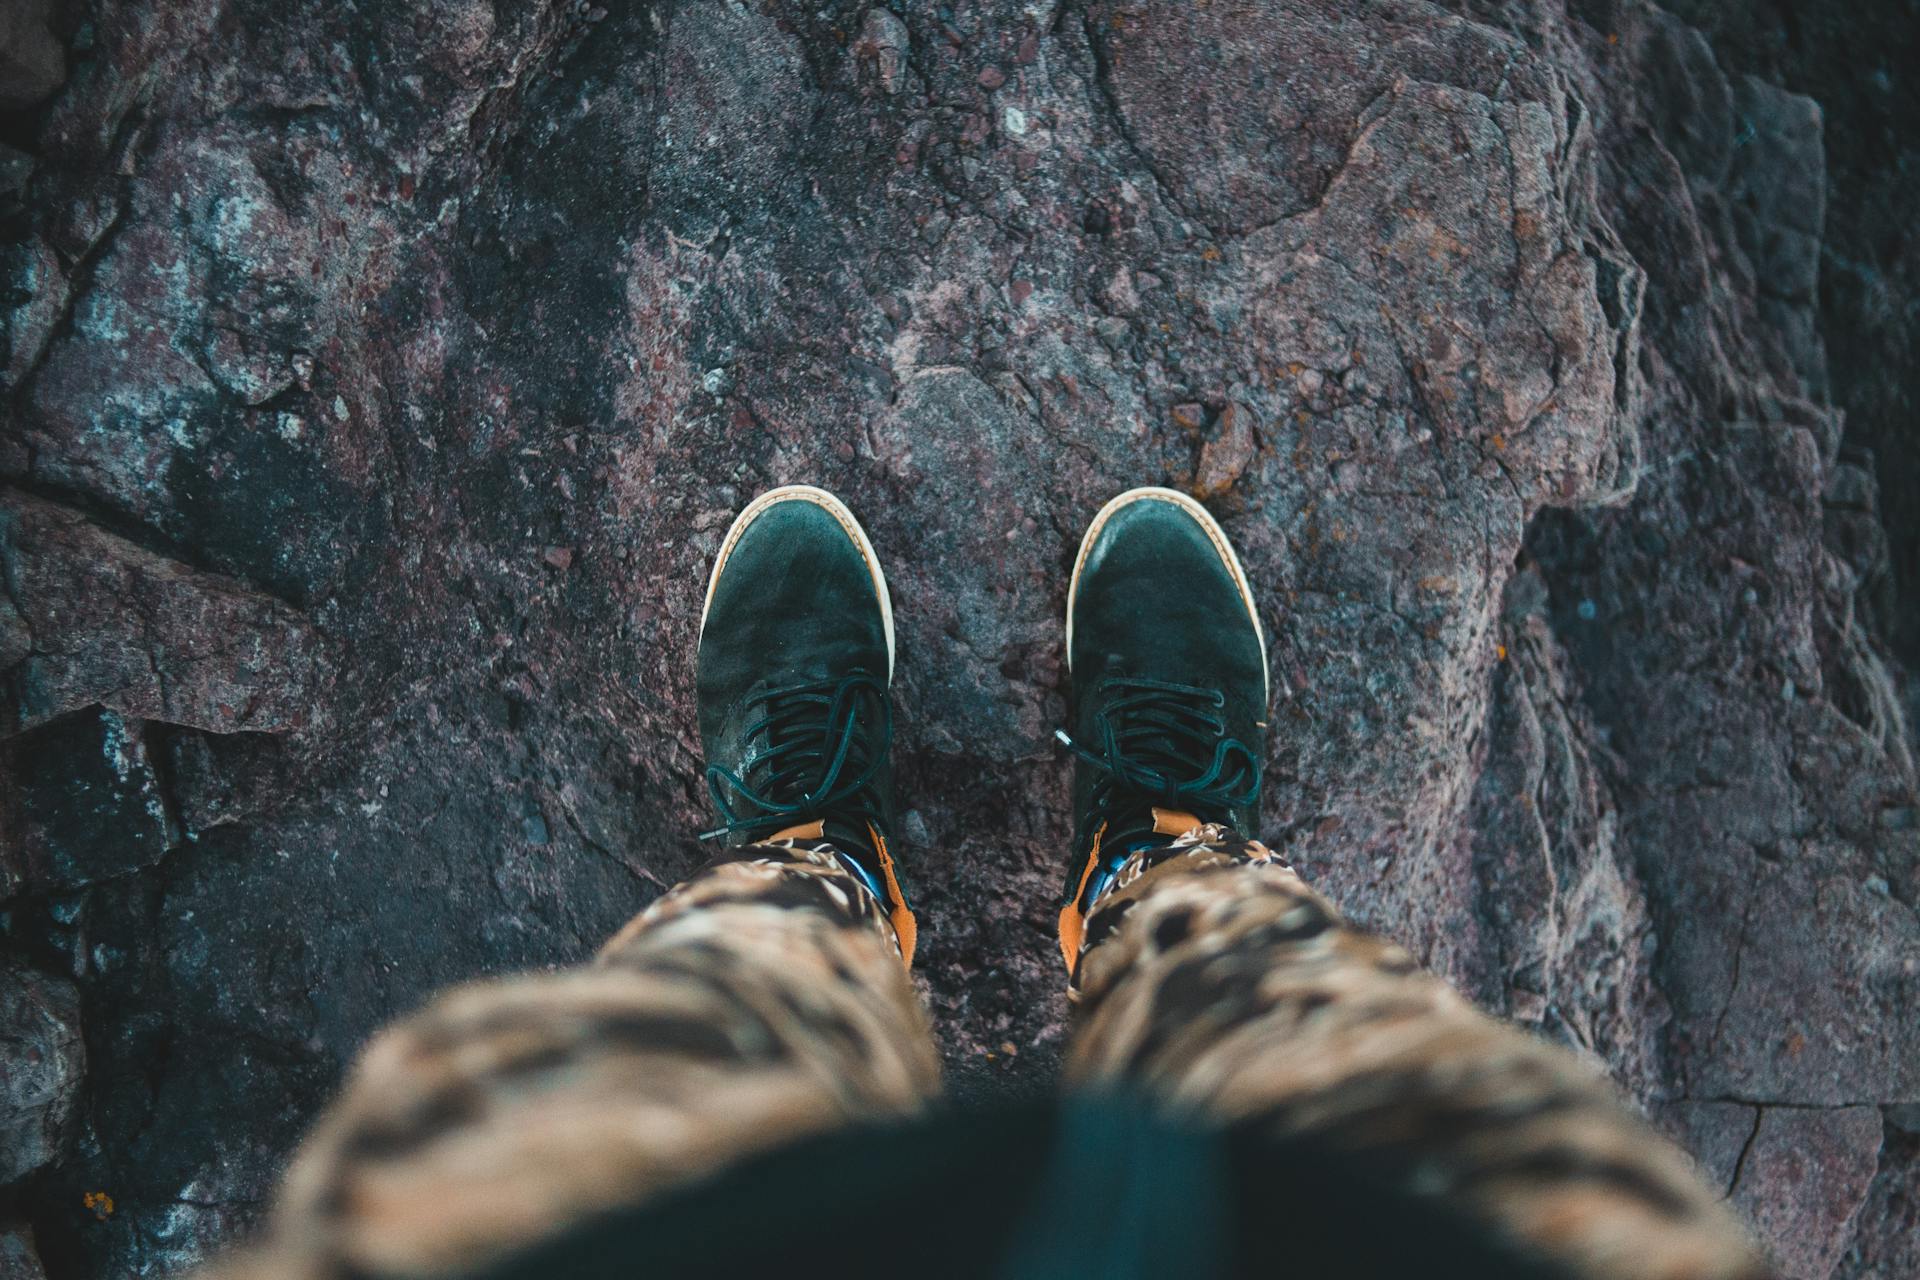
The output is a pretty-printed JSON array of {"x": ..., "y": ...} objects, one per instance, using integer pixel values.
[
  {"x": 376, "y": 389},
  {"x": 42, "y": 1061},
  {"x": 19, "y": 1260}
]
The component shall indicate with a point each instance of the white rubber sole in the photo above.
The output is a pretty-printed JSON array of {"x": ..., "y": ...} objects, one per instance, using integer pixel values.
[
  {"x": 1215, "y": 534},
  {"x": 833, "y": 507}
]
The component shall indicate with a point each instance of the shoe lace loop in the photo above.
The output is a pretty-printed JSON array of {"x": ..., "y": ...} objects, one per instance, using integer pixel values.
[
  {"x": 820, "y": 745},
  {"x": 1166, "y": 745}
]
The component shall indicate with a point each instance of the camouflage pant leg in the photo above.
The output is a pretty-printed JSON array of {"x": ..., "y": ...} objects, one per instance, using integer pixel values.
[
  {"x": 1213, "y": 978},
  {"x": 762, "y": 1000}
]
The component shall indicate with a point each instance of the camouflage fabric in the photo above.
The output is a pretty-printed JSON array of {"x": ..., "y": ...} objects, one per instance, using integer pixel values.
[
  {"x": 762, "y": 1000},
  {"x": 1215, "y": 981},
  {"x": 765, "y": 999}
]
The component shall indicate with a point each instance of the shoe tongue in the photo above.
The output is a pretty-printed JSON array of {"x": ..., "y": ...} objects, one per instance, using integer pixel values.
[
  {"x": 852, "y": 838},
  {"x": 1148, "y": 827},
  {"x": 1135, "y": 828},
  {"x": 855, "y": 844}
]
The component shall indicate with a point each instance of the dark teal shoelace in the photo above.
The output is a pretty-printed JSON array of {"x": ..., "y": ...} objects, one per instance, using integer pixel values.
[
  {"x": 1159, "y": 745},
  {"x": 821, "y": 745}
]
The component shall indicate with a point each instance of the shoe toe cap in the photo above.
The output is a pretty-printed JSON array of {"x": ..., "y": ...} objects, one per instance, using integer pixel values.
[
  {"x": 795, "y": 597},
  {"x": 1156, "y": 595}
]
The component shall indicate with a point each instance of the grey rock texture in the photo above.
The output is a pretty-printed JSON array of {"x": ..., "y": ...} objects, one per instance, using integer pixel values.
[
  {"x": 1854, "y": 61},
  {"x": 19, "y": 1260},
  {"x": 377, "y": 388},
  {"x": 32, "y": 61},
  {"x": 42, "y": 1061},
  {"x": 1801, "y": 1175},
  {"x": 202, "y": 650}
]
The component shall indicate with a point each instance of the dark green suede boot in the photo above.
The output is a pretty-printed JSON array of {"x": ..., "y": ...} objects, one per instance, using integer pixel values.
[
  {"x": 796, "y": 655},
  {"x": 1169, "y": 709}
]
